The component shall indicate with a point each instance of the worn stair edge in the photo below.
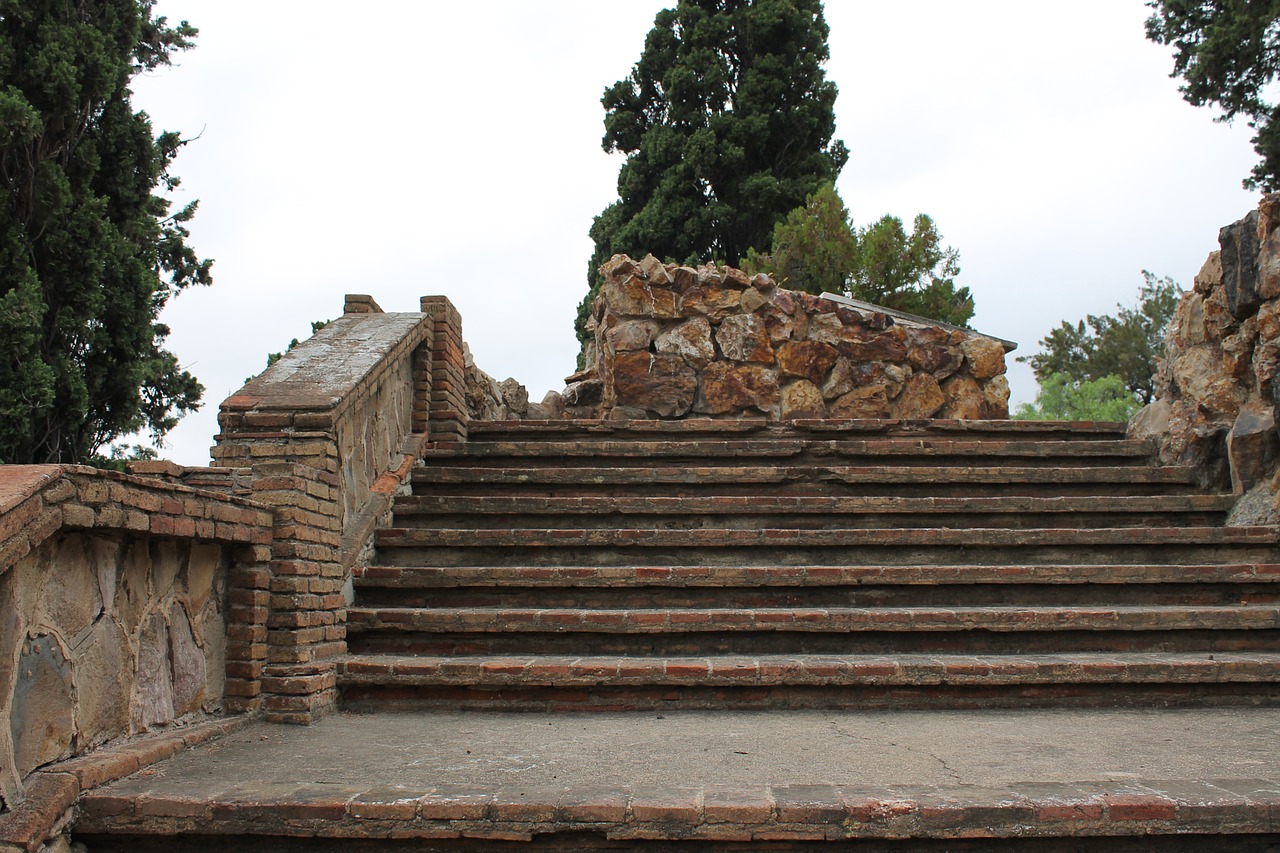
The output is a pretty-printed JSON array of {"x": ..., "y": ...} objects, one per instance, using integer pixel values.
[
  {"x": 791, "y": 576},
  {"x": 651, "y": 620},
  {"x": 790, "y": 427},
  {"x": 914, "y": 670},
  {"x": 790, "y": 447},
  {"x": 53, "y": 790},
  {"x": 819, "y": 473},
  {"x": 453, "y": 505},
  {"x": 802, "y": 538},
  {"x": 746, "y": 813}
]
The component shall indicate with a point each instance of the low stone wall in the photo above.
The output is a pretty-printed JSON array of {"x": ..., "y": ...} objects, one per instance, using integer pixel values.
[
  {"x": 125, "y": 605},
  {"x": 1218, "y": 386},
  {"x": 673, "y": 341}
]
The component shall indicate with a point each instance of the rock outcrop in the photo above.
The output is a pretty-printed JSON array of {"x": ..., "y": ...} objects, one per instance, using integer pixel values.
[
  {"x": 1217, "y": 390},
  {"x": 673, "y": 341}
]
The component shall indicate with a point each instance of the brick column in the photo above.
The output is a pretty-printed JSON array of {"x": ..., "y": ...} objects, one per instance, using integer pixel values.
[{"x": 448, "y": 418}]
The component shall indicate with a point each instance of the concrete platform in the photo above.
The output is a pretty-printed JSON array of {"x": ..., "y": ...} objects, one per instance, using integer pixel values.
[{"x": 801, "y": 776}]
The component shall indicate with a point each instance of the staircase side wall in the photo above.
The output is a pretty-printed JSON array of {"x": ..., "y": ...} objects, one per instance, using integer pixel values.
[
  {"x": 1218, "y": 386},
  {"x": 126, "y": 606},
  {"x": 673, "y": 342}
]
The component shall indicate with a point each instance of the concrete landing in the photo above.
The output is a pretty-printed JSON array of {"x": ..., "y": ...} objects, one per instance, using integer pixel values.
[{"x": 720, "y": 776}]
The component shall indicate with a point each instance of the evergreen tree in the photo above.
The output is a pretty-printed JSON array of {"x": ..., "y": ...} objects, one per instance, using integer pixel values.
[
  {"x": 89, "y": 253},
  {"x": 818, "y": 249},
  {"x": 1062, "y": 398},
  {"x": 726, "y": 121},
  {"x": 1228, "y": 53},
  {"x": 1126, "y": 345}
]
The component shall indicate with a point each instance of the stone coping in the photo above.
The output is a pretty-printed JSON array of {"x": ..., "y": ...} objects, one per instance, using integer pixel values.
[
  {"x": 38, "y": 500},
  {"x": 54, "y": 791},
  {"x": 323, "y": 371}
]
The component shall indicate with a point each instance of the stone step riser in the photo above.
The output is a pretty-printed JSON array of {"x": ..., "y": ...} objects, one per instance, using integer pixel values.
[
  {"x": 807, "y": 521},
  {"x": 848, "y": 555},
  {"x": 362, "y": 698},
  {"x": 701, "y": 492},
  {"x": 703, "y": 644},
  {"x": 880, "y": 596},
  {"x": 782, "y": 448}
]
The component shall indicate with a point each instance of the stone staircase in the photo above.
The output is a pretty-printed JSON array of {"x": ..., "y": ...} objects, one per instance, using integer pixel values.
[{"x": 817, "y": 564}]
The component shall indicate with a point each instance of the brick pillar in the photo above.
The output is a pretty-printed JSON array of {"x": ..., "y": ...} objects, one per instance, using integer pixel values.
[
  {"x": 249, "y": 584},
  {"x": 448, "y": 418}
]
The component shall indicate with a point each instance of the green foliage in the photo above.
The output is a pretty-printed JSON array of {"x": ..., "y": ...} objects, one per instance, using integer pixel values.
[
  {"x": 1126, "y": 345},
  {"x": 726, "y": 121},
  {"x": 1062, "y": 398},
  {"x": 89, "y": 254},
  {"x": 818, "y": 249},
  {"x": 1228, "y": 53}
]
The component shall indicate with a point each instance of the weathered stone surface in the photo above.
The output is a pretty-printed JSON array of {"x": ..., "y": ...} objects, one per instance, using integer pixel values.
[
  {"x": 727, "y": 388},
  {"x": 710, "y": 300},
  {"x": 584, "y": 393},
  {"x": 868, "y": 401},
  {"x": 41, "y": 721},
  {"x": 515, "y": 397},
  {"x": 153, "y": 689},
  {"x": 655, "y": 271},
  {"x": 1269, "y": 254},
  {"x": 1205, "y": 376},
  {"x": 1252, "y": 447},
  {"x": 1239, "y": 242},
  {"x": 70, "y": 599},
  {"x": 996, "y": 395},
  {"x": 840, "y": 381},
  {"x": 922, "y": 397},
  {"x": 684, "y": 278},
  {"x": 753, "y": 300},
  {"x": 964, "y": 397},
  {"x": 810, "y": 360},
  {"x": 632, "y": 297},
  {"x": 187, "y": 659},
  {"x": 104, "y": 673},
  {"x": 985, "y": 357},
  {"x": 884, "y": 347},
  {"x": 802, "y": 399},
  {"x": 1266, "y": 354},
  {"x": 826, "y": 328},
  {"x": 631, "y": 335},
  {"x": 745, "y": 337},
  {"x": 663, "y": 384},
  {"x": 199, "y": 580},
  {"x": 214, "y": 631},
  {"x": 1210, "y": 275},
  {"x": 135, "y": 589},
  {"x": 939, "y": 360},
  {"x": 691, "y": 340}
]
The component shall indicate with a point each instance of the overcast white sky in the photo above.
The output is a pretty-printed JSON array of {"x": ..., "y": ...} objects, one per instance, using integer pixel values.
[{"x": 416, "y": 148}]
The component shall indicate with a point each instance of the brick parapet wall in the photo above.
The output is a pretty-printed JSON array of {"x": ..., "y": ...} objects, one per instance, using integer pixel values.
[
  {"x": 448, "y": 417},
  {"x": 116, "y": 593}
]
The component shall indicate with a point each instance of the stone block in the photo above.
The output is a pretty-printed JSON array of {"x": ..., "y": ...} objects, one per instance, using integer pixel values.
[
  {"x": 811, "y": 360},
  {"x": 104, "y": 677},
  {"x": 664, "y": 384},
  {"x": 802, "y": 399},
  {"x": 1252, "y": 448},
  {"x": 41, "y": 716},
  {"x": 921, "y": 397},
  {"x": 153, "y": 688},
  {"x": 985, "y": 357},
  {"x": 187, "y": 659},
  {"x": 728, "y": 388},
  {"x": 745, "y": 337},
  {"x": 691, "y": 340},
  {"x": 1239, "y": 258}
]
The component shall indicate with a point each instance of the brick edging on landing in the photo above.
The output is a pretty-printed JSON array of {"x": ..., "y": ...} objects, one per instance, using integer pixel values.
[
  {"x": 53, "y": 791},
  {"x": 794, "y": 813}
]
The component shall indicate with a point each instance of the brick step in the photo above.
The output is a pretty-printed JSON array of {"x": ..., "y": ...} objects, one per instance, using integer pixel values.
[
  {"x": 577, "y": 430},
  {"x": 905, "y": 450},
  {"x": 819, "y": 620},
  {"x": 849, "y": 546},
  {"x": 906, "y": 671},
  {"x": 841, "y": 475},
  {"x": 665, "y": 632},
  {"x": 808, "y": 577},
  {"x": 769, "y": 511}
]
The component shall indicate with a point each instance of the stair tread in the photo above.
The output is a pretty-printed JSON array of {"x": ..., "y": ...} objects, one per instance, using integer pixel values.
[
  {"x": 699, "y": 426},
  {"x": 788, "y": 447},
  {"x": 458, "y": 504},
  {"x": 814, "y": 473},
  {"x": 798, "y": 669},
  {"x": 641, "y": 620},
  {"x": 792, "y": 537},
  {"x": 813, "y": 575}
]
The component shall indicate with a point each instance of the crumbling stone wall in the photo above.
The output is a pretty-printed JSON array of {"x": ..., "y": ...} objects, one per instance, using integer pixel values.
[
  {"x": 125, "y": 605},
  {"x": 1218, "y": 386},
  {"x": 672, "y": 341}
]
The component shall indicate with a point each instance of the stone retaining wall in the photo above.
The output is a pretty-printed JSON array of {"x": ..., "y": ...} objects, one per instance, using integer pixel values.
[
  {"x": 672, "y": 341},
  {"x": 1218, "y": 386},
  {"x": 125, "y": 605}
]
